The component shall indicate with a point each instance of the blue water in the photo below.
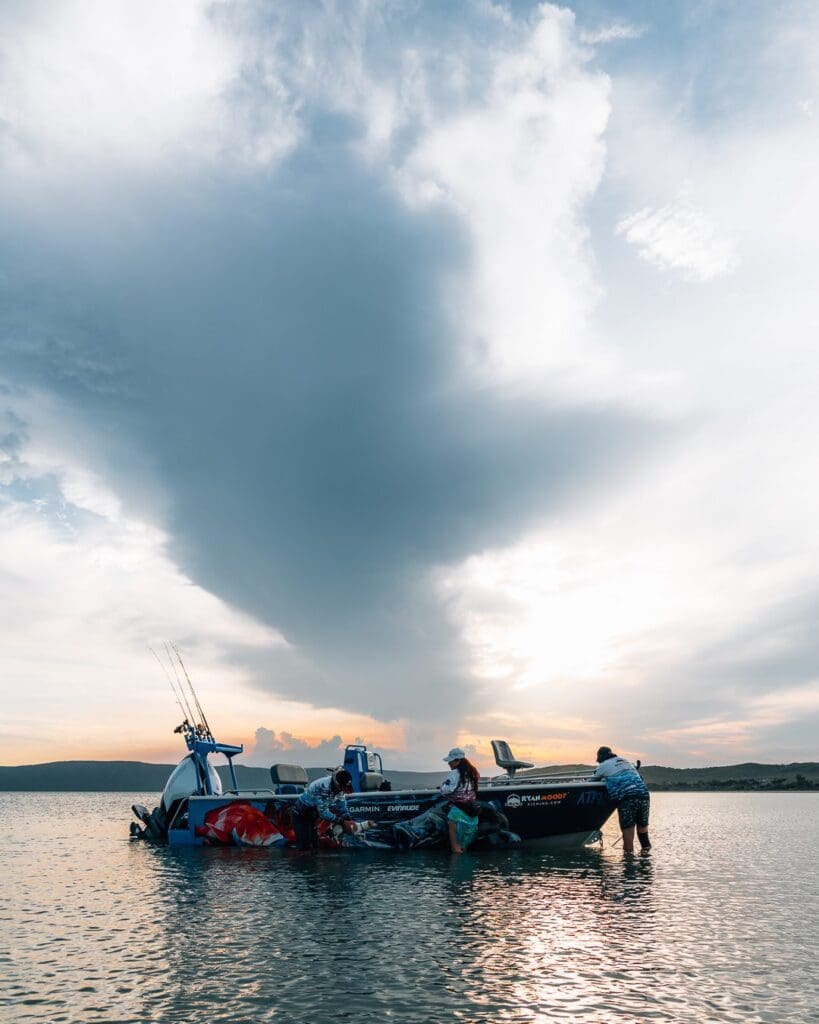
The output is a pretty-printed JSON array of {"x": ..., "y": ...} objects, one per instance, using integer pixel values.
[{"x": 718, "y": 923}]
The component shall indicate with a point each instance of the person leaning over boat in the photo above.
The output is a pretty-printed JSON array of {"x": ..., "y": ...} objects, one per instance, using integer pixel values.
[
  {"x": 323, "y": 798},
  {"x": 461, "y": 788},
  {"x": 627, "y": 789}
]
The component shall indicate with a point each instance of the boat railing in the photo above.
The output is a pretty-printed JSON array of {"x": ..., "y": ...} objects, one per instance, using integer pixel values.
[
  {"x": 250, "y": 792},
  {"x": 540, "y": 779}
]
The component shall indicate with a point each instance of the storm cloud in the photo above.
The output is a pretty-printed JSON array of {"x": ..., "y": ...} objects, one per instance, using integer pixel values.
[
  {"x": 280, "y": 352},
  {"x": 423, "y": 369}
]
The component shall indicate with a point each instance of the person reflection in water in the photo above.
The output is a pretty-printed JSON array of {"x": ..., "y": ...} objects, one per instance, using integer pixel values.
[
  {"x": 461, "y": 787},
  {"x": 627, "y": 789}
]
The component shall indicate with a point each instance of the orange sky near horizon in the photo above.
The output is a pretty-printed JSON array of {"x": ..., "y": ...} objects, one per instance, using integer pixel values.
[{"x": 157, "y": 748}]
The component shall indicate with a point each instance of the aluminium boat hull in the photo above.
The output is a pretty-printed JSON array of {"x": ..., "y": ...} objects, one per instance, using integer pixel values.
[{"x": 541, "y": 814}]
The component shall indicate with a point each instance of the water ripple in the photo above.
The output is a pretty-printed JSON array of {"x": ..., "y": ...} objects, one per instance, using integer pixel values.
[{"x": 717, "y": 924}]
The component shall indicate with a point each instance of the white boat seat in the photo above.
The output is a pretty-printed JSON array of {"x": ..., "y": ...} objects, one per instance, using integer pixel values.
[
  {"x": 288, "y": 775},
  {"x": 504, "y": 758},
  {"x": 371, "y": 781}
]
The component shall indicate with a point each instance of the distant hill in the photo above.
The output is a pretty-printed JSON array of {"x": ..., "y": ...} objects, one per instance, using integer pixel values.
[
  {"x": 138, "y": 777},
  {"x": 797, "y": 775},
  {"x": 86, "y": 776}
]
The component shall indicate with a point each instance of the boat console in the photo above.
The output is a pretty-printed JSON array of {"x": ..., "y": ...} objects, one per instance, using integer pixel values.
[{"x": 366, "y": 769}]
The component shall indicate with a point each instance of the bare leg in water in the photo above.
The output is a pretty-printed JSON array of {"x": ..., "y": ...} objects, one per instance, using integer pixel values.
[
  {"x": 642, "y": 835},
  {"x": 453, "y": 838}
]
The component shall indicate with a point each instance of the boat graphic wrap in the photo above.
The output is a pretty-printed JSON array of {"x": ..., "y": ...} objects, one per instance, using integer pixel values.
[{"x": 239, "y": 823}]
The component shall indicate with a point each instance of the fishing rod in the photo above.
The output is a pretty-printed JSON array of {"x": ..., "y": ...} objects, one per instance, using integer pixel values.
[
  {"x": 203, "y": 726},
  {"x": 191, "y": 716},
  {"x": 195, "y": 697},
  {"x": 185, "y": 714}
]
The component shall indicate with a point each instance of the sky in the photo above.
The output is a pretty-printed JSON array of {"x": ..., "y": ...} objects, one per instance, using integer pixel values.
[{"x": 428, "y": 373}]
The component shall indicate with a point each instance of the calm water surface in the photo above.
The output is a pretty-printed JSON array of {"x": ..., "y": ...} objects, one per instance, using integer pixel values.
[{"x": 718, "y": 923}]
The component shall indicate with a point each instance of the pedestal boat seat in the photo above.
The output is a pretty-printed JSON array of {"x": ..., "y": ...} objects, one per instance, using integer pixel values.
[
  {"x": 288, "y": 778},
  {"x": 504, "y": 758}
]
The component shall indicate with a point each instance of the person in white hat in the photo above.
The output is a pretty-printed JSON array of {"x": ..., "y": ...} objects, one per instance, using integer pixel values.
[{"x": 461, "y": 788}]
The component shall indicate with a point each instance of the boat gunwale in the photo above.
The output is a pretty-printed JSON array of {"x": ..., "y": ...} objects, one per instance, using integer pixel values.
[{"x": 387, "y": 794}]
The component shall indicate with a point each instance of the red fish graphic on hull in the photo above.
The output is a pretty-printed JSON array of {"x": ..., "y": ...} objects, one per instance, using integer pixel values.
[{"x": 240, "y": 824}]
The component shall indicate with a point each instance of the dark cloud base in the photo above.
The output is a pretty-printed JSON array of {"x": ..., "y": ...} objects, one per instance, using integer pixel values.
[{"x": 278, "y": 350}]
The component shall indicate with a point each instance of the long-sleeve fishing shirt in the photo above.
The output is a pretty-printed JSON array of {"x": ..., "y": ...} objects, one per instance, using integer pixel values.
[
  {"x": 457, "y": 790},
  {"x": 621, "y": 777},
  {"x": 320, "y": 796}
]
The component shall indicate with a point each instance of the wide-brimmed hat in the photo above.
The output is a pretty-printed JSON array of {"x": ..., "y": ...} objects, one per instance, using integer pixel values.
[{"x": 456, "y": 754}]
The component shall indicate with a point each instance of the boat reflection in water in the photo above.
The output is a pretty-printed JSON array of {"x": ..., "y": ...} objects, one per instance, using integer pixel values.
[
  {"x": 99, "y": 929},
  {"x": 540, "y": 809}
]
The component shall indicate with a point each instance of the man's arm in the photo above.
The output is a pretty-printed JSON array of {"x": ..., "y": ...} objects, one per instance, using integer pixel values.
[{"x": 324, "y": 806}]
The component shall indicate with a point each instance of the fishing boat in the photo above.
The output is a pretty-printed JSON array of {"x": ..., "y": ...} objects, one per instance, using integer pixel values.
[
  {"x": 515, "y": 806},
  {"x": 537, "y": 809}
]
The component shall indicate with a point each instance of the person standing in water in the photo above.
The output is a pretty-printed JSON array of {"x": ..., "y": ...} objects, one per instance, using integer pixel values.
[
  {"x": 627, "y": 789},
  {"x": 461, "y": 787},
  {"x": 323, "y": 798}
]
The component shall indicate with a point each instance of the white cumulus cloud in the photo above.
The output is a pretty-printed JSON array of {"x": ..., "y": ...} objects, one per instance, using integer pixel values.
[
  {"x": 517, "y": 165},
  {"x": 679, "y": 237}
]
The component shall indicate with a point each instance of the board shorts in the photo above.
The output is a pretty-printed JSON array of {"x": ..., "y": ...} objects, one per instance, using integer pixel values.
[
  {"x": 466, "y": 826},
  {"x": 633, "y": 810},
  {"x": 304, "y": 821}
]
